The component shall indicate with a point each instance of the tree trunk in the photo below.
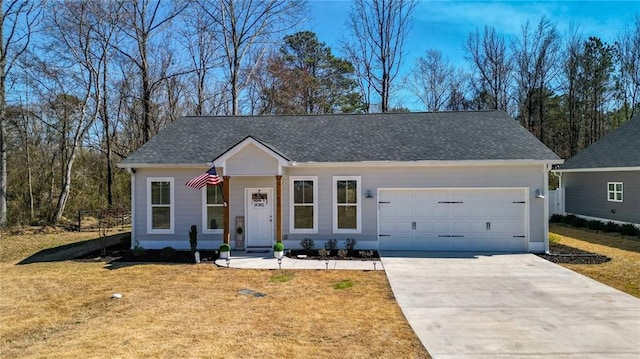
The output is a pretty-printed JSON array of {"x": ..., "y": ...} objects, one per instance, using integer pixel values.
[{"x": 3, "y": 129}]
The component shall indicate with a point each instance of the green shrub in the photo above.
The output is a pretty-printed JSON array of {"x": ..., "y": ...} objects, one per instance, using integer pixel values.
[
  {"x": 629, "y": 229},
  {"x": 342, "y": 253},
  {"x": 611, "y": 227},
  {"x": 307, "y": 244},
  {"x": 579, "y": 222},
  {"x": 167, "y": 252},
  {"x": 554, "y": 238},
  {"x": 278, "y": 247},
  {"x": 568, "y": 219},
  {"x": 331, "y": 245},
  {"x": 556, "y": 218},
  {"x": 595, "y": 225},
  {"x": 324, "y": 253},
  {"x": 350, "y": 244},
  {"x": 138, "y": 251},
  {"x": 224, "y": 247}
]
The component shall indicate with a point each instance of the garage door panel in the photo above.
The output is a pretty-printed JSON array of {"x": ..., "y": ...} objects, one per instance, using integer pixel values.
[
  {"x": 388, "y": 227},
  {"x": 424, "y": 211},
  {"x": 423, "y": 197},
  {"x": 453, "y": 219},
  {"x": 458, "y": 227},
  {"x": 444, "y": 213},
  {"x": 441, "y": 227},
  {"x": 404, "y": 227},
  {"x": 387, "y": 212},
  {"x": 404, "y": 211},
  {"x": 461, "y": 211},
  {"x": 424, "y": 228}
]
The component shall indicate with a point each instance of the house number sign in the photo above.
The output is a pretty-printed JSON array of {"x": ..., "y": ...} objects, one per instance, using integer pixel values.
[{"x": 259, "y": 200}]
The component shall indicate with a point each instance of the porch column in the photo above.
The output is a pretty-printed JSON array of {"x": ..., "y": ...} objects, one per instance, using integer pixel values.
[
  {"x": 279, "y": 209},
  {"x": 225, "y": 193}
]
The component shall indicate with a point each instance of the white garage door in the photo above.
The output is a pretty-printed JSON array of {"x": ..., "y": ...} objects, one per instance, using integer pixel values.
[{"x": 452, "y": 219}]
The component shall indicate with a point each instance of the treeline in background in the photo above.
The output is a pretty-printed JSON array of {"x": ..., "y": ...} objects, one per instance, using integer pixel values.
[{"x": 85, "y": 83}]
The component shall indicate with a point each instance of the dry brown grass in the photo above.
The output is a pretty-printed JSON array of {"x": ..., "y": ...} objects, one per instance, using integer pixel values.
[
  {"x": 622, "y": 272},
  {"x": 64, "y": 309}
]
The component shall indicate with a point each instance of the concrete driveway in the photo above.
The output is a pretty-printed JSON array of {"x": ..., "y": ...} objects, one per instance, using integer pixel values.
[{"x": 465, "y": 305}]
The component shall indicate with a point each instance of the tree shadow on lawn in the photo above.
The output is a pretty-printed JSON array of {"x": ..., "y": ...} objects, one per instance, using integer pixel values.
[{"x": 75, "y": 250}]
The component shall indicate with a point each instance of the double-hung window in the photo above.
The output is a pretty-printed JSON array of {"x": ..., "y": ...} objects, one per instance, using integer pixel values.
[
  {"x": 304, "y": 204},
  {"x": 346, "y": 204},
  {"x": 615, "y": 191},
  {"x": 213, "y": 212},
  {"x": 160, "y": 205}
]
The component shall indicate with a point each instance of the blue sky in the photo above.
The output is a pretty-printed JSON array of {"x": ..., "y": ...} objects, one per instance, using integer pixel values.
[{"x": 445, "y": 25}]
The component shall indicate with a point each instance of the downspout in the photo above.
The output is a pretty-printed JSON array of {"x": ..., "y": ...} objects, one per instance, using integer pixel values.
[
  {"x": 132, "y": 172},
  {"x": 546, "y": 169}
]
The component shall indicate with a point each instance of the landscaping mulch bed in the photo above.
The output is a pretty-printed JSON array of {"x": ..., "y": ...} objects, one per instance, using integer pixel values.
[
  {"x": 560, "y": 253},
  {"x": 148, "y": 256},
  {"x": 122, "y": 253},
  {"x": 350, "y": 255}
]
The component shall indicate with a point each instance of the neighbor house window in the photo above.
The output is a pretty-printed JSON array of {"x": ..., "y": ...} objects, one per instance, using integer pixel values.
[
  {"x": 160, "y": 205},
  {"x": 346, "y": 204},
  {"x": 304, "y": 205},
  {"x": 614, "y": 191},
  {"x": 213, "y": 209}
]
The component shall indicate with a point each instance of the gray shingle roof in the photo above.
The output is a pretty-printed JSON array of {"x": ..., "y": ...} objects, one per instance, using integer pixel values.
[
  {"x": 439, "y": 136},
  {"x": 618, "y": 148}
]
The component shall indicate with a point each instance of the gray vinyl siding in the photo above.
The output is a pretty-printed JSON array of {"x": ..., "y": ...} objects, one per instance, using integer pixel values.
[
  {"x": 188, "y": 201},
  {"x": 586, "y": 194},
  {"x": 187, "y": 208},
  {"x": 410, "y": 177},
  {"x": 251, "y": 161}
]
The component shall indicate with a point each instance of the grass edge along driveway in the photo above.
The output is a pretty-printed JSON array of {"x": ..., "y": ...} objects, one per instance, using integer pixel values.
[{"x": 622, "y": 272}]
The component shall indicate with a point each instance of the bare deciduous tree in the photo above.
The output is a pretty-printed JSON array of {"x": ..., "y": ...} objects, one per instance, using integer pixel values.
[
  {"x": 142, "y": 20},
  {"x": 431, "y": 80},
  {"x": 487, "y": 52},
  {"x": 18, "y": 18},
  {"x": 378, "y": 31},
  {"x": 200, "y": 40},
  {"x": 244, "y": 25},
  {"x": 535, "y": 57},
  {"x": 628, "y": 78}
]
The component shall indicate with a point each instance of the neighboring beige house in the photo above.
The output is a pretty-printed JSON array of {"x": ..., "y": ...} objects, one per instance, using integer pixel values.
[{"x": 446, "y": 181}]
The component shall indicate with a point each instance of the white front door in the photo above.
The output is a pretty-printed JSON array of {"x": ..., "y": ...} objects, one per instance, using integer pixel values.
[{"x": 259, "y": 223}]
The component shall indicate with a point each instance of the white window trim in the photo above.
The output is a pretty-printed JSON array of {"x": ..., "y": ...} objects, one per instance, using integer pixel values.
[
  {"x": 292, "y": 229},
  {"x": 172, "y": 206},
  {"x": 615, "y": 192},
  {"x": 205, "y": 227},
  {"x": 334, "y": 184}
]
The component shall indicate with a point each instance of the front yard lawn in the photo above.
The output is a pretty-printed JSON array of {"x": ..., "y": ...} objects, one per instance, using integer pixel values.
[
  {"x": 65, "y": 309},
  {"x": 621, "y": 272}
]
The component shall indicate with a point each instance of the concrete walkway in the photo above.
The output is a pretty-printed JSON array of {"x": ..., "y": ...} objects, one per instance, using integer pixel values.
[
  {"x": 266, "y": 261},
  {"x": 465, "y": 305}
]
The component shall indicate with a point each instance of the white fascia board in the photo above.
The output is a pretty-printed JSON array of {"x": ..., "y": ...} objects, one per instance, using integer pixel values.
[
  {"x": 251, "y": 141},
  {"x": 428, "y": 163},
  {"x": 601, "y": 169}
]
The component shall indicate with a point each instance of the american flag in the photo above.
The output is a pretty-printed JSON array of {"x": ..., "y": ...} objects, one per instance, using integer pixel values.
[{"x": 210, "y": 178}]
